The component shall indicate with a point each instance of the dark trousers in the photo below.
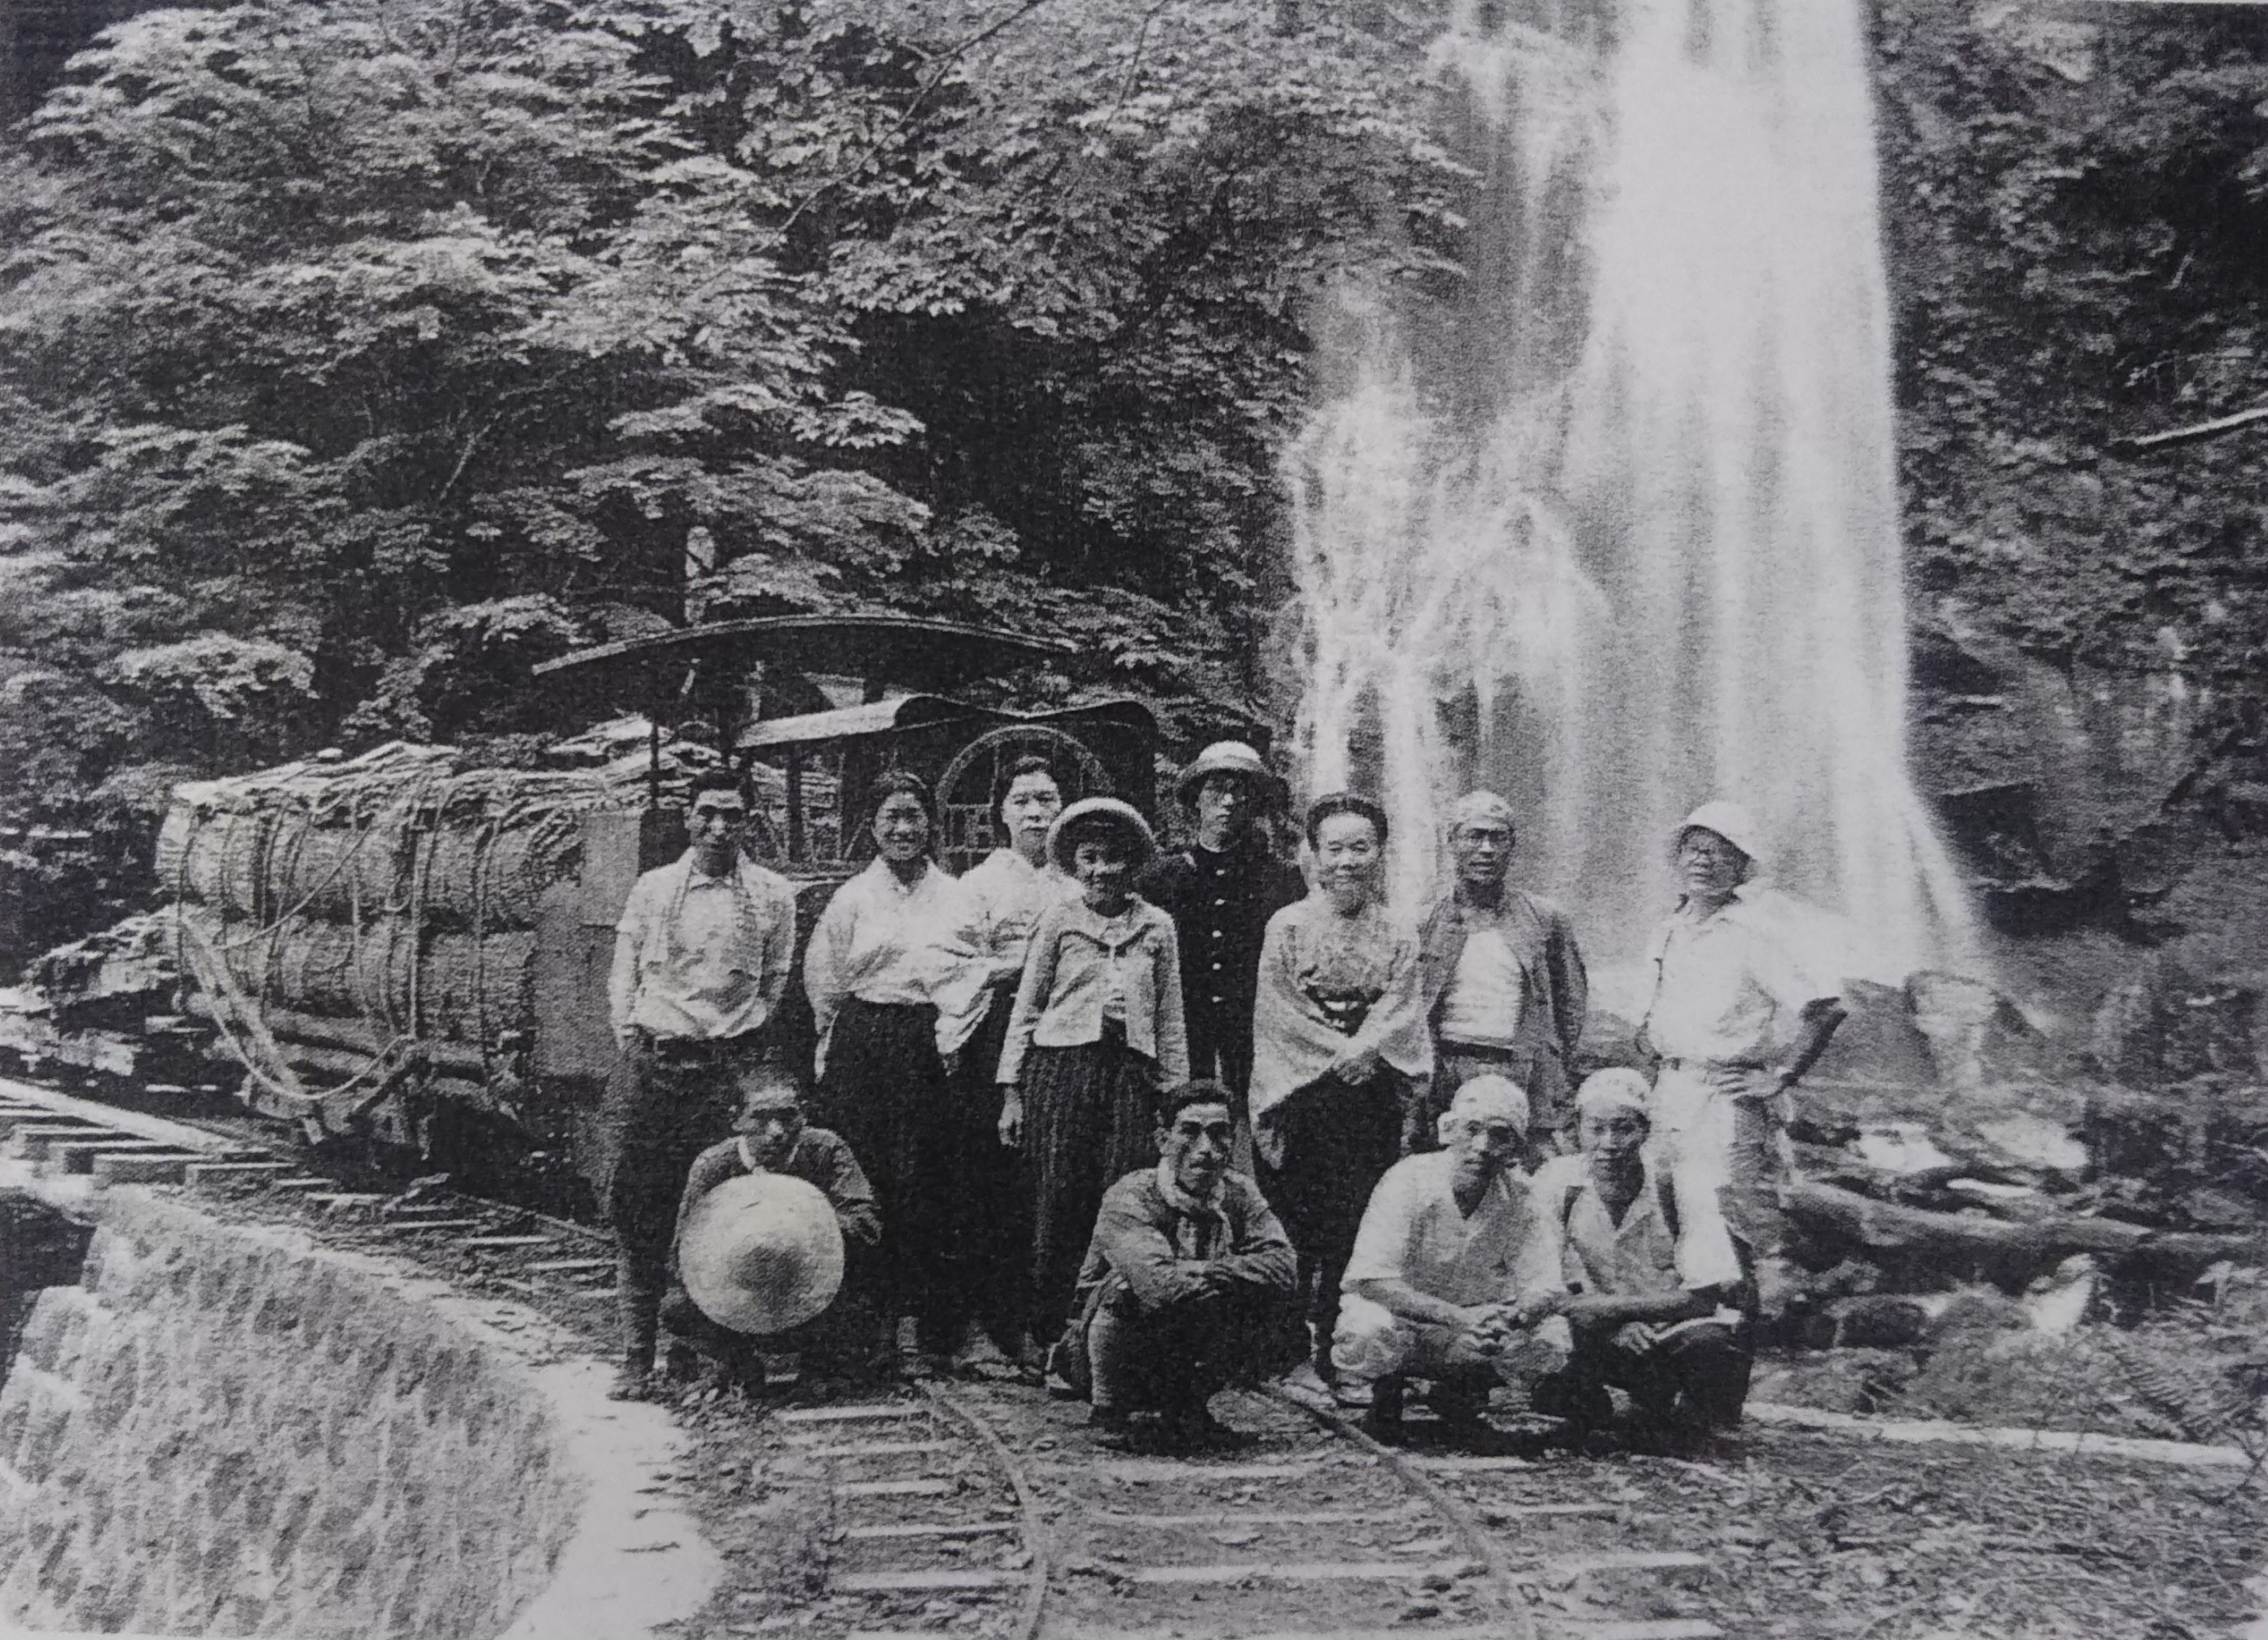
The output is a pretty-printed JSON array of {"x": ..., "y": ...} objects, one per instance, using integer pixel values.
[
  {"x": 886, "y": 1091},
  {"x": 996, "y": 1230},
  {"x": 1338, "y": 1139},
  {"x": 1177, "y": 1357},
  {"x": 665, "y": 1105},
  {"x": 1695, "y": 1375}
]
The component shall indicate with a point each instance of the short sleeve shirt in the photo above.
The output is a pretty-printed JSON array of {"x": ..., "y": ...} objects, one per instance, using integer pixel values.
[{"x": 1413, "y": 1232}]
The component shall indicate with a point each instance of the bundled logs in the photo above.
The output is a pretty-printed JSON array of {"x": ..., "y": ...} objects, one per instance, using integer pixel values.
[{"x": 342, "y": 921}]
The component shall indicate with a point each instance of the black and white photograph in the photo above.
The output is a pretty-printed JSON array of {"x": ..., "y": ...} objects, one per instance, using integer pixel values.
[{"x": 1134, "y": 820}]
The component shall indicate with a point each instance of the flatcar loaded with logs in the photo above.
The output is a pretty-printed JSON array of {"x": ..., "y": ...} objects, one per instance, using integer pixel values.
[{"x": 405, "y": 948}]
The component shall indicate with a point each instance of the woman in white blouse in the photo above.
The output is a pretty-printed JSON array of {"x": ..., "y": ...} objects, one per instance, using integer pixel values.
[
  {"x": 1007, "y": 892},
  {"x": 883, "y": 967}
]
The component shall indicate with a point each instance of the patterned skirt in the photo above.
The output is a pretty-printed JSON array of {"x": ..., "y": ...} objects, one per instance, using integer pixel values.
[{"x": 1090, "y": 1118}]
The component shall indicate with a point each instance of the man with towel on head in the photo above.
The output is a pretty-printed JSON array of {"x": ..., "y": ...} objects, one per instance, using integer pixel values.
[
  {"x": 1658, "y": 1295},
  {"x": 1503, "y": 981},
  {"x": 1455, "y": 1273},
  {"x": 753, "y": 1253}
]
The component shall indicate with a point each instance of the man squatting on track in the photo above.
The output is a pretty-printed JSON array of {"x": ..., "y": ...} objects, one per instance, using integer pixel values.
[
  {"x": 1658, "y": 1296},
  {"x": 1186, "y": 1272},
  {"x": 1456, "y": 1276},
  {"x": 772, "y": 1137},
  {"x": 702, "y": 956}
]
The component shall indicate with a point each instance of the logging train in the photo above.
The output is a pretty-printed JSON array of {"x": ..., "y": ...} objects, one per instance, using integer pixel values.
[{"x": 402, "y": 948}]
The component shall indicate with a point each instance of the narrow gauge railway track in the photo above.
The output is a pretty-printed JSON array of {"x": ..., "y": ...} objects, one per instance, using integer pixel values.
[
  {"x": 985, "y": 1509},
  {"x": 513, "y": 1248}
]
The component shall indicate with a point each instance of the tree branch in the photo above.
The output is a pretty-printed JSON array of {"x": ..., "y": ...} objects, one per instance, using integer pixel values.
[{"x": 944, "y": 67}]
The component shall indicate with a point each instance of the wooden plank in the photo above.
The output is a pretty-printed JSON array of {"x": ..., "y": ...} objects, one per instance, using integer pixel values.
[
  {"x": 934, "y": 1582},
  {"x": 878, "y": 1449},
  {"x": 851, "y": 1415},
  {"x": 211, "y": 1176},
  {"x": 415, "y": 1226},
  {"x": 1298, "y": 1572},
  {"x": 1628, "y": 1560},
  {"x": 510, "y": 1241},
  {"x": 77, "y": 1156},
  {"x": 1140, "y": 1469},
  {"x": 950, "y": 1529},
  {"x": 1278, "y": 1518},
  {"x": 928, "y": 1487},
  {"x": 165, "y": 1167},
  {"x": 2061, "y": 1442}
]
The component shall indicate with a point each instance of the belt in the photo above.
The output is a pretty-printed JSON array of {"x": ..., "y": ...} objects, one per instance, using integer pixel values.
[
  {"x": 700, "y": 1050},
  {"x": 1480, "y": 1050},
  {"x": 1713, "y": 1064}
]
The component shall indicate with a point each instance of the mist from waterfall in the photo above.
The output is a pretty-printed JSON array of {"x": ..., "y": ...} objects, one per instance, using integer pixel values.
[{"x": 1618, "y": 533}]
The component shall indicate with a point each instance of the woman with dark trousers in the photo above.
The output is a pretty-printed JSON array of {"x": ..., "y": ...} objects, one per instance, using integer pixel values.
[
  {"x": 1008, "y": 894},
  {"x": 1339, "y": 1045},
  {"x": 888, "y": 957}
]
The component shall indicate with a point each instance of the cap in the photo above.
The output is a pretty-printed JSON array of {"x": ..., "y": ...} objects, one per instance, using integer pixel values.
[{"x": 762, "y": 1254}]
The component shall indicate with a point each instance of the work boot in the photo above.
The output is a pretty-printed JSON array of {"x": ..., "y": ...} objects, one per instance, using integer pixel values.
[
  {"x": 979, "y": 1357},
  {"x": 1383, "y": 1421},
  {"x": 633, "y": 1381},
  {"x": 1195, "y": 1429}
]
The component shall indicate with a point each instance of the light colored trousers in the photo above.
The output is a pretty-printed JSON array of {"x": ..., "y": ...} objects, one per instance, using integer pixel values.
[
  {"x": 1735, "y": 1143},
  {"x": 1371, "y": 1342}
]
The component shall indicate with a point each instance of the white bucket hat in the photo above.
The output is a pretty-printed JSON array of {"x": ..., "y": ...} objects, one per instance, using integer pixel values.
[{"x": 1729, "y": 820}]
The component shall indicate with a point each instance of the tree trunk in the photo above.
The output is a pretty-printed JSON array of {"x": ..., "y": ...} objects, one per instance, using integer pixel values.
[{"x": 2008, "y": 1251}]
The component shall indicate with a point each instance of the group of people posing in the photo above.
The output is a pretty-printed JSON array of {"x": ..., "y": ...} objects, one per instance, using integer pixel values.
[{"x": 1149, "y": 1121}]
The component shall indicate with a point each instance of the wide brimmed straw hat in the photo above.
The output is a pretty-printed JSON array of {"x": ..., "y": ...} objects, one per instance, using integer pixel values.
[
  {"x": 762, "y": 1254},
  {"x": 1088, "y": 812},
  {"x": 1232, "y": 757},
  {"x": 1729, "y": 820}
]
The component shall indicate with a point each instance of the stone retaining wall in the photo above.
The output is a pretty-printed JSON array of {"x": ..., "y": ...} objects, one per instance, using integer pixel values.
[{"x": 223, "y": 1433}]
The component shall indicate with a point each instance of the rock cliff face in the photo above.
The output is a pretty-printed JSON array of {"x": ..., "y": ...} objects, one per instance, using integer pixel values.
[{"x": 214, "y": 1434}]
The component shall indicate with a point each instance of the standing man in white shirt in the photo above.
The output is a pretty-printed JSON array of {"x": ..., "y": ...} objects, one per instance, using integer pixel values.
[
  {"x": 1505, "y": 986},
  {"x": 702, "y": 956},
  {"x": 1741, "y": 1009}
]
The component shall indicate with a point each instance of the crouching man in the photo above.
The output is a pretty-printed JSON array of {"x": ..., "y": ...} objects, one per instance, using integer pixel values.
[
  {"x": 1186, "y": 1270},
  {"x": 1658, "y": 1295},
  {"x": 1454, "y": 1273},
  {"x": 771, "y": 1137}
]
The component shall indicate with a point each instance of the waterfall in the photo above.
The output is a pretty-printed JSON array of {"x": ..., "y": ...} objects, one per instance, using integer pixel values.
[{"x": 1616, "y": 532}]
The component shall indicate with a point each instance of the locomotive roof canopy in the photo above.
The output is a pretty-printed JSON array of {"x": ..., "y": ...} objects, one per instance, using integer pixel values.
[{"x": 916, "y": 652}]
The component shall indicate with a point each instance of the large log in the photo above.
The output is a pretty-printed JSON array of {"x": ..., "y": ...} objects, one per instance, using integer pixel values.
[{"x": 2009, "y": 1250}]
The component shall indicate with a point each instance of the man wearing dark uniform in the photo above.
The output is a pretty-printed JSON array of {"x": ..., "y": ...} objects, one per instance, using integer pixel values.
[{"x": 1220, "y": 890}]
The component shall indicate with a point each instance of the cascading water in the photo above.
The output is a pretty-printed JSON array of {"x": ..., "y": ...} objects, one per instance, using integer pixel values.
[{"x": 1619, "y": 534}]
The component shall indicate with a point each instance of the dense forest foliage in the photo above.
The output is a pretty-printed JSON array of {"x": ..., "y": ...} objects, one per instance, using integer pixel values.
[
  {"x": 357, "y": 354},
  {"x": 2078, "y": 215},
  {"x": 354, "y": 355}
]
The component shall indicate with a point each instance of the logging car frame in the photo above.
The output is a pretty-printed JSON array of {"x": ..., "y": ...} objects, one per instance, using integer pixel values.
[{"x": 405, "y": 949}]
